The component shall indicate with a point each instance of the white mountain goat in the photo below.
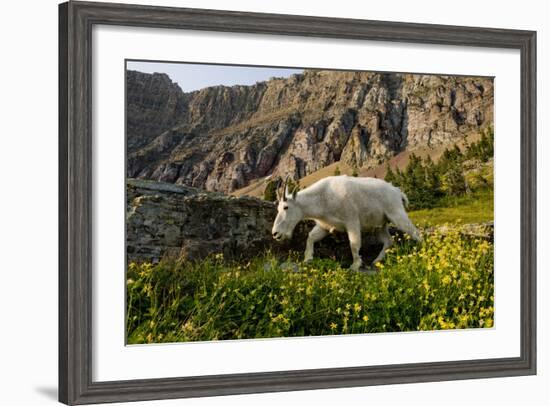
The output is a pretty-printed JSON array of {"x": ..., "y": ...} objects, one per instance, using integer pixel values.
[{"x": 346, "y": 204}]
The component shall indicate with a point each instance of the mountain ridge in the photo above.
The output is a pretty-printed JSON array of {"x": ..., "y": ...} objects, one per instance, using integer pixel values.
[{"x": 225, "y": 138}]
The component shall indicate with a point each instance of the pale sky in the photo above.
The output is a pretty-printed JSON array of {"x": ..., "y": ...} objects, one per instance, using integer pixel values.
[{"x": 197, "y": 76}]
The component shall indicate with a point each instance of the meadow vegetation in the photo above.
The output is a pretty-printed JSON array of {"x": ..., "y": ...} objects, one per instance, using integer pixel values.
[
  {"x": 446, "y": 282},
  {"x": 477, "y": 207}
]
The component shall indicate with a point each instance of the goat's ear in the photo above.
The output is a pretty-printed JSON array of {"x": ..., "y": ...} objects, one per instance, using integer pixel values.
[
  {"x": 295, "y": 189},
  {"x": 287, "y": 193}
]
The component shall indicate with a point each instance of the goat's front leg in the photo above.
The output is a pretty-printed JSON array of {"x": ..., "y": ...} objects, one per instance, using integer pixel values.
[
  {"x": 354, "y": 235},
  {"x": 317, "y": 233}
]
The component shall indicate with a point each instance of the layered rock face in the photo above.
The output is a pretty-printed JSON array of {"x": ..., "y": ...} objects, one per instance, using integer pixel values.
[
  {"x": 153, "y": 105},
  {"x": 222, "y": 138}
]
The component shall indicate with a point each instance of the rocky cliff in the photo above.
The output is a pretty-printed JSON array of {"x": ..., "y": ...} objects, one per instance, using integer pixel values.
[
  {"x": 154, "y": 105},
  {"x": 222, "y": 138}
]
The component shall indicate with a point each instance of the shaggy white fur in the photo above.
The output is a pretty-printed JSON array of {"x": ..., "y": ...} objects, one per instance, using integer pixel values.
[{"x": 346, "y": 204}]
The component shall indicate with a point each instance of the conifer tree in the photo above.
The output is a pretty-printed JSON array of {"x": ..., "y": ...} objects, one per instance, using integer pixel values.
[
  {"x": 270, "y": 192},
  {"x": 390, "y": 176}
]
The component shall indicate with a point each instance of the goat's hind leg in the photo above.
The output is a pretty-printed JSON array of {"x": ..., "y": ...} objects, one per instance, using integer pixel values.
[
  {"x": 403, "y": 223},
  {"x": 385, "y": 238},
  {"x": 316, "y": 234}
]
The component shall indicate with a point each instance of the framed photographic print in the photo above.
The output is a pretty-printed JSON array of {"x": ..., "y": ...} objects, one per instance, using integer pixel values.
[{"x": 257, "y": 202}]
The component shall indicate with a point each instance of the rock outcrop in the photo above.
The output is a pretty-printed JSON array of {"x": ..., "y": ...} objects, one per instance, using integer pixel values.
[
  {"x": 179, "y": 221},
  {"x": 223, "y": 138}
]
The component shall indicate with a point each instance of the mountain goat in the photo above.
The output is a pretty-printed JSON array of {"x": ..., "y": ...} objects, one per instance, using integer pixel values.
[{"x": 346, "y": 204}]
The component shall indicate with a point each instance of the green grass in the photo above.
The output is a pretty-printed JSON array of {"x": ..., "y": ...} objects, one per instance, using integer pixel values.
[
  {"x": 445, "y": 282},
  {"x": 475, "y": 208}
]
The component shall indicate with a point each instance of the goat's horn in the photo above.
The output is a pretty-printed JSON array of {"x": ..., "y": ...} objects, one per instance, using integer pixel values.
[
  {"x": 278, "y": 188},
  {"x": 284, "y": 188}
]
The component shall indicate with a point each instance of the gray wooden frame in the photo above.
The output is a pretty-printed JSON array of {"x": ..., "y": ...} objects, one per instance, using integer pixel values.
[{"x": 75, "y": 202}]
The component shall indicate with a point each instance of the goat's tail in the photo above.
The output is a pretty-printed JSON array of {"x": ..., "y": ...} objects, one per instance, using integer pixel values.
[{"x": 404, "y": 199}]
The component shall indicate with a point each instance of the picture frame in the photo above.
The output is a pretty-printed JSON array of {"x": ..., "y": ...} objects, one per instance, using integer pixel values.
[{"x": 76, "y": 352}]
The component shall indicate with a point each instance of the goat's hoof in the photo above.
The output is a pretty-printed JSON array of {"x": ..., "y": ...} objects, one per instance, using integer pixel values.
[
  {"x": 289, "y": 266},
  {"x": 369, "y": 270}
]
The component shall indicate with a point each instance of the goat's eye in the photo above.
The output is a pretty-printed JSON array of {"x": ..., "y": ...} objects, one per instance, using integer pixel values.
[{"x": 285, "y": 208}]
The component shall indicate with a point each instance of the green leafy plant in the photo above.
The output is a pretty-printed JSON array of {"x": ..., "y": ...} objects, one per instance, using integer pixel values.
[{"x": 444, "y": 283}]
